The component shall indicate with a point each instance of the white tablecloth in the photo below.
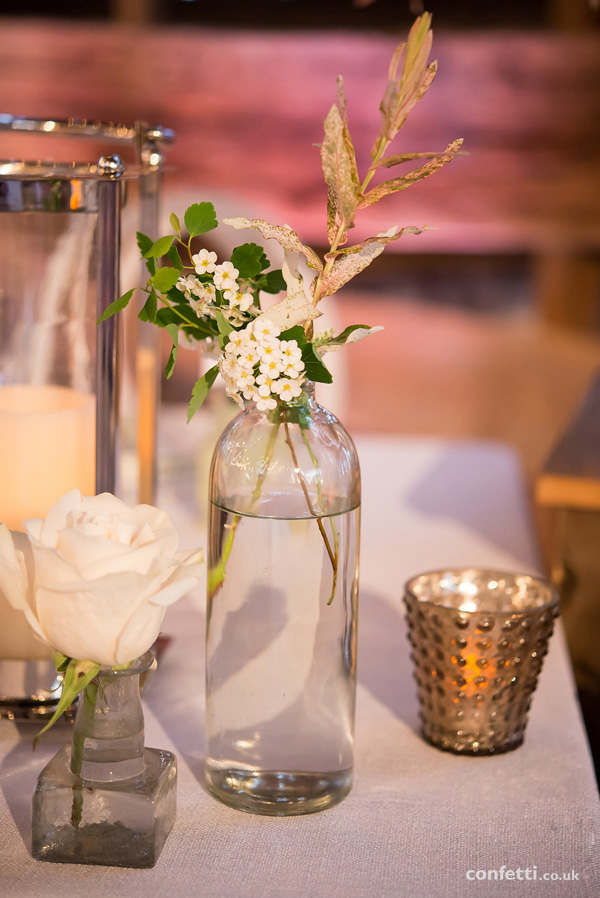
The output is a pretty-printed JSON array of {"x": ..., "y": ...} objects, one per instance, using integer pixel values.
[{"x": 417, "y": 820}]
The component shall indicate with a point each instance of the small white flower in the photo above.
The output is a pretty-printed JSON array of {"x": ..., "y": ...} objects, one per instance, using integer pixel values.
[
  {"x": 228, "y": 364},
  {"x": 237, "y": 398},
  {"x": 205, "y": 293},
  {"x": 264, "y": 390},
  {"x": 287, "y": 389},
  {"x": 290, "y": 351},
  {"x": 265, "y": 404},
  {"x": 235, "y": 316},
  {"x": 248, "y": 358},
  {"x": 225, "y": 276},
  {"x": 186, "y": 285},
  {"x": 265, "y": 331},
  {"x": 269, "y": 352},
  {"x": 243, "y": 301},
  {"x": 293, "y": 371},
  {"x": 236, "y": 342},
  {"x": 271, "y": 367},
  {"x": 264, "y": 379},
  {"x": 204, "y": 261},
  {"x": 244, "y": 379}
]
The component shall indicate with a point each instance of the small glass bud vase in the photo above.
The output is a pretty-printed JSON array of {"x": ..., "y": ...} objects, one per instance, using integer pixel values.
[{"x": 106, "y": 799}]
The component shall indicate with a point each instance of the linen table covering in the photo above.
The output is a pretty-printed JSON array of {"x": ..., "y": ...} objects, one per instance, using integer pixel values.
[{"x": 418, "y": 820}]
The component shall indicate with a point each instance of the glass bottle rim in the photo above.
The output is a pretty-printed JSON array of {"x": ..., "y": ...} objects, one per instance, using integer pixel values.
[{"x": 141, "y": 665}]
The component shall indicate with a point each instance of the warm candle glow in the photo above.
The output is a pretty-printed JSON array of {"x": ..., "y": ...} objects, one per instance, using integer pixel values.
[
  {"x": 47, "y": 447},
  {"x": 147, "y": 376}
]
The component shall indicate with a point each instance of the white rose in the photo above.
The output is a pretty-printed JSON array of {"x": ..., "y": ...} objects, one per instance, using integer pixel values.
[{"x": 95, "y": 577}]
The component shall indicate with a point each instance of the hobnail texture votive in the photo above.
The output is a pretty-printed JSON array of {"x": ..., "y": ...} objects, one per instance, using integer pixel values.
[{"x": 478, "y": 641}]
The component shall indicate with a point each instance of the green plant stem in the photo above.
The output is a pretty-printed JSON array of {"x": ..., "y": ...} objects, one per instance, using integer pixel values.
[
  {"x": 86, "y": 715},
  {"x": 336, "y": 539},
  {"x": 333, "y": 556},
  {"x": 216, "y": 573},
  {"x": 268, "y": 455}
]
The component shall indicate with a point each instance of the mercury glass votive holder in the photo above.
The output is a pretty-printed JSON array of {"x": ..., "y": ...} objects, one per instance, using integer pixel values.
[{"x": 478, "y": 640}]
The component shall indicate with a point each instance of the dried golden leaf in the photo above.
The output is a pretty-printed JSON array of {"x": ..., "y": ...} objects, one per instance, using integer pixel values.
[
  {"x": 389, "y": 161},
  {"x": 346, "y": 133},
  {"x": 339, "y": 170},
  {"x": 372, "y": 196},
  {"x": 294, "y": 309},
  {"x": 407, "y": 88},
  {"x": 352, "y": 260},
  {"x": 284, "y": 236},
  {"x": 430, "y": 73}
]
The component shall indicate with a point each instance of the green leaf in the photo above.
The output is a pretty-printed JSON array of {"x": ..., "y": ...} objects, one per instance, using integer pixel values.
[
  {"x": 296, "y": 333},
  {"x": 116, "y": 306},
  {"x": 341, "y": 338},
  {"x": 159, "y": 248},
  {"x": 144, "y": 243},
  {"x": 173, "y": 331},
  {"x": 200, "y": 218},
  {"x": 165, "y": 279},
  {"x": 77, "y": 675},
  {"x": 297, "y": 413},
  {"x": 285, "y": 237},
  {"x": 174, "y": 258},
  {"x": 60, "y": 661},
  {"x": 314, "y": 367},
  {"x": 223, "y": 324},
  {"x": 200, "y": 391},
  {"x": 271, "y": 282},
  {"x": 174, "y": 222},
  {"x": 166, "y": 316},
  {"x": 249, "y": 259},
  {"x": 149, "y": 309},
  {"x": 351, "y": 334}
]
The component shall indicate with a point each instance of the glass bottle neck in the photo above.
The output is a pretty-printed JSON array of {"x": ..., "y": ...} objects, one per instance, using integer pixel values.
[{"x": 108, "y": 734}]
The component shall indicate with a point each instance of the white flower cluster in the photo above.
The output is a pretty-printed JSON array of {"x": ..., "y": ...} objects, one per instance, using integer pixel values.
[
  {"x": 256, "y": 365},
  {"x": 202, "y": 296}
]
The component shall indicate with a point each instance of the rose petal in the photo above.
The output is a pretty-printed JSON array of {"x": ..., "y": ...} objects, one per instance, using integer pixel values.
[
  {"x": 54, "y": 520},
  {"x": 187, "y": 573},
  {"x": 140, "y": 632},
  {"x": 85, "y": 620},
  {"x": 14, "y": 579},
  {"x": 83, "y": 551},
  {"x": 174, "y": 590},
  {"x": 149, "y": 560}
]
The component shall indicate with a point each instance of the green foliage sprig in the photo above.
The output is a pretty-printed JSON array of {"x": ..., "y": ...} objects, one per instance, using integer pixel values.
[{"x": 185, "y": 298}]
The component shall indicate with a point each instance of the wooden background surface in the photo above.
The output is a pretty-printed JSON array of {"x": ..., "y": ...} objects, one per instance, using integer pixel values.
[{"x": 248, "y": 110}]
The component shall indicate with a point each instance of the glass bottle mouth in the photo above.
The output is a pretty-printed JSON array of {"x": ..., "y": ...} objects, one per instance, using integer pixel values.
[{"x": 144, "y": 664}]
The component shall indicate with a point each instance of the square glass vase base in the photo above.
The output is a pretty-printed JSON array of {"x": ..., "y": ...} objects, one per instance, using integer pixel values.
[{"x": 117, "y": 824}]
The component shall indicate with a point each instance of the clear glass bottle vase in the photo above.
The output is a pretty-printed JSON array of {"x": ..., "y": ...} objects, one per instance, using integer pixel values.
[
  {"x": 106, "y": 799},
  {"x": 282, "y": 610}
]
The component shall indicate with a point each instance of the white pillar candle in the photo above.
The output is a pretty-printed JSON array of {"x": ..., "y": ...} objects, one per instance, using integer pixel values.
[{"x": 47, "y": 447}]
